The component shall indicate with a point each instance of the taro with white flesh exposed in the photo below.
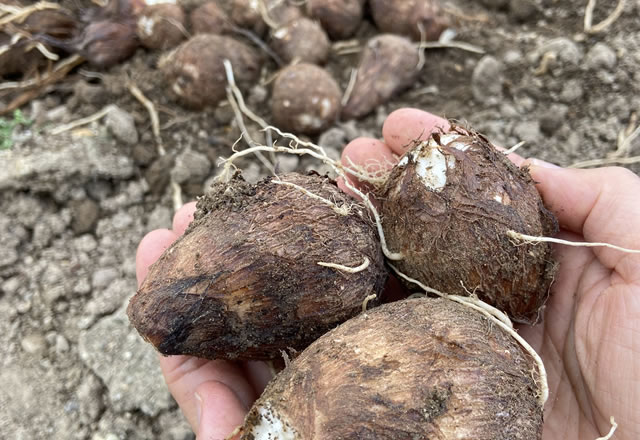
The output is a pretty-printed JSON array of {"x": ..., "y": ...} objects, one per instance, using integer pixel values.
[{"x": 447, "y": 208}]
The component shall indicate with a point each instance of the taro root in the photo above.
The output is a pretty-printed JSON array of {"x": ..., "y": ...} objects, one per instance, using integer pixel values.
[
  {"x": 21, "y": 56},
  {"x": 161, "y": 26},
  {"x": 447, "y": 207},
  {"x": 340, "y": 18},
  {"x": 303, "y": 40},
  {"x": 55, "y": 23},
  {"x": 209, "y": 18},
  {"x": 195, "y": 70},
  {"x": 18, "y": 58},
  {"x": 102, "y": 43},
  {"x": 107, "y": 43},
  {"x": 247, "y": 14},
  {"x": 305, "y": 99},
  {"x": 244, "y": 281},
  {"x": 388, "y": 66},
  {"x": 410, "y": 17},
  {"x": 414, "y": 369}
]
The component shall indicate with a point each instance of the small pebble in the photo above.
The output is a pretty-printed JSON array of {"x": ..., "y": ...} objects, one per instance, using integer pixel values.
[
  {"x": 122, "y": 125},
  {"x": 34, "y": 343}
]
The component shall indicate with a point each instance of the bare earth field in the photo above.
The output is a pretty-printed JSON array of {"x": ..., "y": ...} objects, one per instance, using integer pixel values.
[{"x": 74, "y": 205}]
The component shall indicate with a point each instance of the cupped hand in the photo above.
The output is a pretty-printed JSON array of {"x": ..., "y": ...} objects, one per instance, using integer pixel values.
[{"x": 589, "y": 339}]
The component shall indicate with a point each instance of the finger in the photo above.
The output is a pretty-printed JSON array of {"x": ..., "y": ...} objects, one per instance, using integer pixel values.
[
  {"x": 259, "y": 374},
  {"x": 600, "y": 204},
  {"x": 183, "y": 217},
  {"x": 220, "y": 411},
  {"x": 406, "y": 125},
  {"x": 185, "y": 374},
  {"x": 366, "y": 155},
  {"x": 150, "y": 248}
]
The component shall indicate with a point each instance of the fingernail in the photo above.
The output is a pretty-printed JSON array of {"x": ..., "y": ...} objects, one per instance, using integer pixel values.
[
  {"x": 198, "y": 409},
  {"x": 542, "y": 163}
]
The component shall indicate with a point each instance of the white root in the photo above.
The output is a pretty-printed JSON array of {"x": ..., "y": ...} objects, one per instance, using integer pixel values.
[
  {"x": 366, "y": 301},
  {"x": 82, "y": 121},
  {"x": 497, "y": 317},
  {"x": 352, "y": 83},
  {"x": 345, "y": 209},
  {"x": 514, "y": 148},
  {"x": 590, "y": 28},
  {"x": 614, "y": 426},
  {"x": 347, "y": 269},
  {"x": 530, "y": 239}
]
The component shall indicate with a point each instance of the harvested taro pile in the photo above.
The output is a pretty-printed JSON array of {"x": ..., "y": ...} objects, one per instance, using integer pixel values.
[{"x": 115, "y": 113}]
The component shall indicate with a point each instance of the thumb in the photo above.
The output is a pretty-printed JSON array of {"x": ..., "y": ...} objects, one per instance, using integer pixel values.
[{"x": 602, "y": 204}]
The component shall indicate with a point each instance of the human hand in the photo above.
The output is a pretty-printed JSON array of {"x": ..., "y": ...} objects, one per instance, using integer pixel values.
[
  {"x": 590, "y": 337},
  {"x": 594, "y": 302}
]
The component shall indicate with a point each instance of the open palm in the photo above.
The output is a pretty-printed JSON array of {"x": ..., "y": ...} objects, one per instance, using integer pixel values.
[{"x": 589, "y": 339}]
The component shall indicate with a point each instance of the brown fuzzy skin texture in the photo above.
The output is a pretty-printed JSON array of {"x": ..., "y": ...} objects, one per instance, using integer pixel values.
[
  {"x": 404, "y": 17},
  {"x": 244, "y": 283},
  {"x": 195, "y": 71},
  {"x": 301, "y": 39},
  {"x": 414, "y": 369},
  {"x": 305, "y": 99},
  {"x": 458, "y": 234},
  {"x": 387, "y": 66},
  {"x": 18, "y": 59},
  {"x": 161, "y": 26},
  {"x": 209, "y": 18},
  {"x": 340, "y": 18},
  {"x": 54, "y": 23},
  {"x": 107, "y": 43}
]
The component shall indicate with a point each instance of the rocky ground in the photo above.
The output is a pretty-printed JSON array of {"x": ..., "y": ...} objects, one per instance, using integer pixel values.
[{"x": 74, "y": 205}]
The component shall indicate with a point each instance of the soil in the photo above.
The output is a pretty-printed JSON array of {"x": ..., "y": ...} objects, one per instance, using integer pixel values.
[{"x": 74, "y": 205}]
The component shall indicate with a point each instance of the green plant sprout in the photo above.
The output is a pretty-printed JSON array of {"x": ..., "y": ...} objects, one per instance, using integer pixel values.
[{"x": 8, "y": 125}]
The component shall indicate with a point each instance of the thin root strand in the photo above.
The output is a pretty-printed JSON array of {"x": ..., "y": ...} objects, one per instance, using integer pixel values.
[
  {"x": 530, "y": 239},
  {"x": 347, "y": 269}
]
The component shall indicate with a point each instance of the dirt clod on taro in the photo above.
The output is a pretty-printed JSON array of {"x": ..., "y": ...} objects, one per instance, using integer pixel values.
[
  {"x": 415, "y": 369},
  {"x": 447, "y": 207},
  {"x": 305, "y": 99},
  {"x": 244, "y": 281},
  {"x": 388, "y": 65},
  {"x": 161, "y": 26},
  {"x": 415, "y": 18},
  {"x": 301, "y": 39},
  {"x": 339, "y": 18},
  {"x": 195, "y": 70}
]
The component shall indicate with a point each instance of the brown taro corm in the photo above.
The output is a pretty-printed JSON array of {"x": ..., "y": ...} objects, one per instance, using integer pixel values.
[
  {"x": 340, "y": 18},
  {"x": 209, "y": 18},
  {"x": 244, "y": 281},
  {"x": 195, "y": 71},
  {"x": 21, "y": 56},
  {"x": 388, "y": 65},
  {"x": 447, "y": 208},
  {"x": 414, "y": 369},
  {"x": 161, "y": 26},
  {"x": 415, "y": 18},
  {"x": 247, "y": 14},
  {"x": 305, "y": 99},
  {"x": 301, "y": 39}
]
